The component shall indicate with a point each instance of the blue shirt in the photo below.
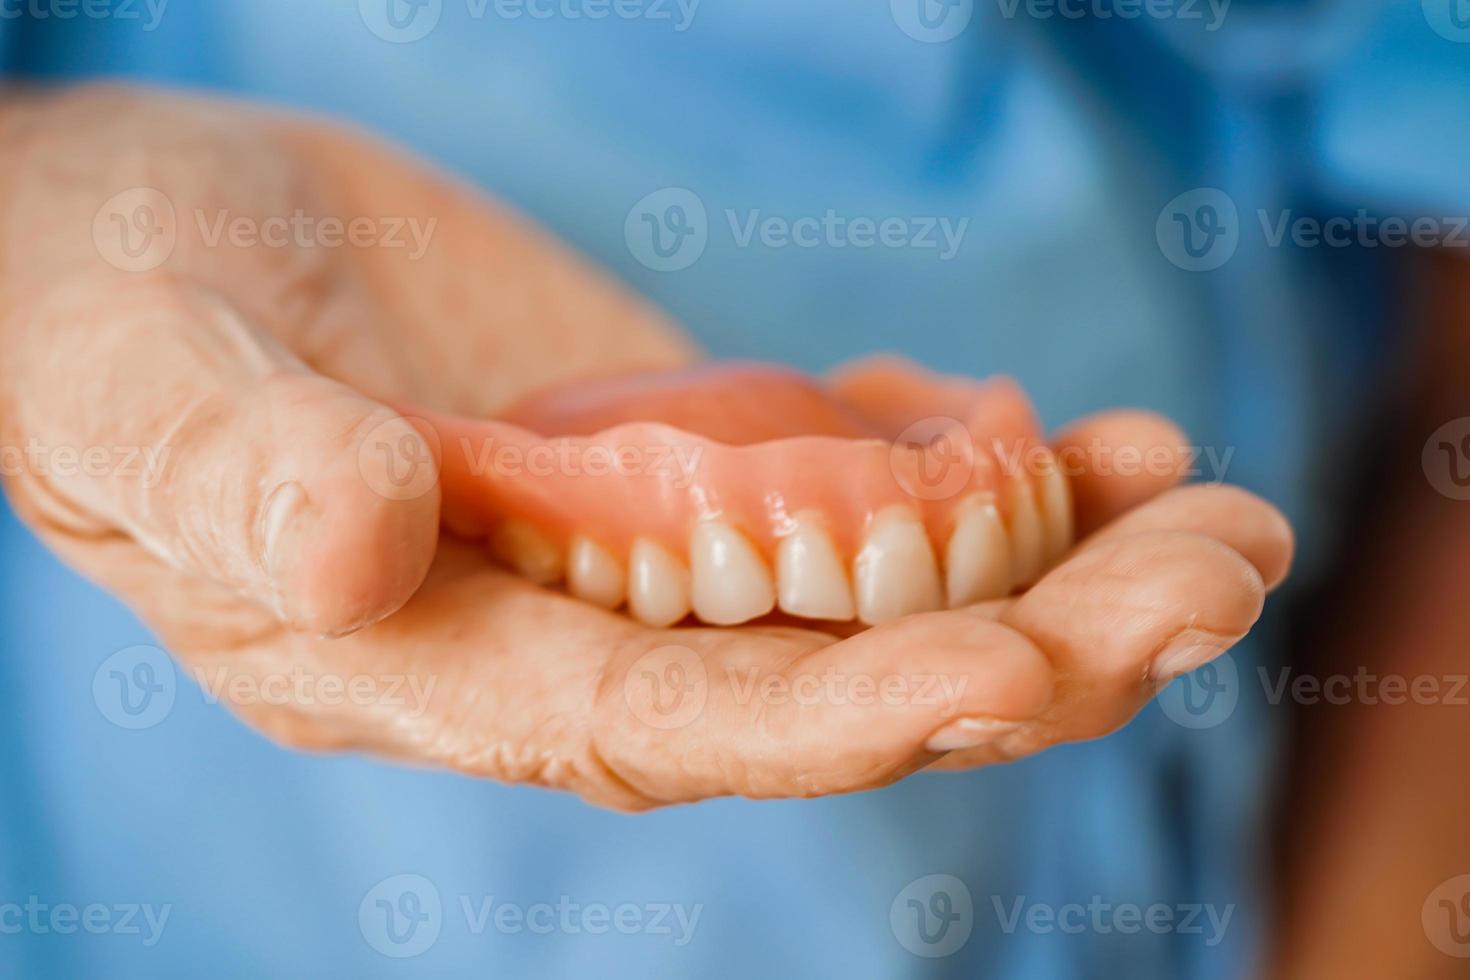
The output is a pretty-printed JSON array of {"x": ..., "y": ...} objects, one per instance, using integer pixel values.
[{"x": 1109, "y": 184}]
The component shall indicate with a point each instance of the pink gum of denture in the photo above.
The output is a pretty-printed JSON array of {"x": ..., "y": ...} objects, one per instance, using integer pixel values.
[{"x": 750, "y": 447}]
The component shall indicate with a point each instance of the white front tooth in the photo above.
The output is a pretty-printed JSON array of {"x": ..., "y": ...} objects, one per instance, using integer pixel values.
[
  {"x": 529, "y": 552},
  {"x": 977, "y": 560},
  {"x": 1028, "y": 544},
  {"x": 1056, "y": 509},
  {"x": 658, "y": 584},
  {"x": 594, "y": 575},
  {"x": 809, "y": 573},
  {"x": 731, "y": 581},
  {"x": 894, "y": 573}
]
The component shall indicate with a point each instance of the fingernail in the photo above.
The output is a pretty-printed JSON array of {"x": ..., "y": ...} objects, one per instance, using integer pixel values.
[
  {"x": 1185, "y": 654},
  {"x": 281, "y": 508},
  {"x": 346, "y": 631},
  {"x": 969, "y": 733}
]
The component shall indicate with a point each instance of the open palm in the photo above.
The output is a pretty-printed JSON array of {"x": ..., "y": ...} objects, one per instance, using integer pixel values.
[{"x": 270, "y": 542}]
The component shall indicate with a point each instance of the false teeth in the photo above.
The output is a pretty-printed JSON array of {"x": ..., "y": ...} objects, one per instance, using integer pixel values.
[
  {"x": 658, "y": 584},
  {"x": 731, "y": 583},
  {"x": 810, "y": 576},
  {"x": 594, "y": 575},
  {"x": 528, "y": 552},
  {"x": 977, "y": 559},
  {"x": 895, "y": 573},
  {"x": 1056, "y": 509},
  {"x": 730, "y": 490},
  {"x": 1028, "y": 544}
]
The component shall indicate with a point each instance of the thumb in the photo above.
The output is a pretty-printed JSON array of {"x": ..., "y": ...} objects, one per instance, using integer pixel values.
[{"x": 150, "y": 407}]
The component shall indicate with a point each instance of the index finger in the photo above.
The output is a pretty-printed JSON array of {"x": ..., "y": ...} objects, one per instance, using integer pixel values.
[{"x": 1118, "y": 459}]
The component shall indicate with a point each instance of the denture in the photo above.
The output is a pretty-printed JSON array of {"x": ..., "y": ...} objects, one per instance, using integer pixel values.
[{"x": 733, "y": 490}]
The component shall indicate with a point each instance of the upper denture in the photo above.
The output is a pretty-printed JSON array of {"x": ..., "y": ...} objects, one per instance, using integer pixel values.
[{"x": 732, "y": 489}]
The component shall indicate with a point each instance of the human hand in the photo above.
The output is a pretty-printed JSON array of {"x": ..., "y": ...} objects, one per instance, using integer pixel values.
[{"x": 270, "y": 542}]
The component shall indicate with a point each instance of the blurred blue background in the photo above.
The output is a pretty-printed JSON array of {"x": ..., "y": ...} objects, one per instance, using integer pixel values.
[{"x": 1065, "y": 144}]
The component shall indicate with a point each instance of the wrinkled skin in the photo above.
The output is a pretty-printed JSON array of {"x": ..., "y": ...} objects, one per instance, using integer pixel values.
[{"x": 258, "y": 366}]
